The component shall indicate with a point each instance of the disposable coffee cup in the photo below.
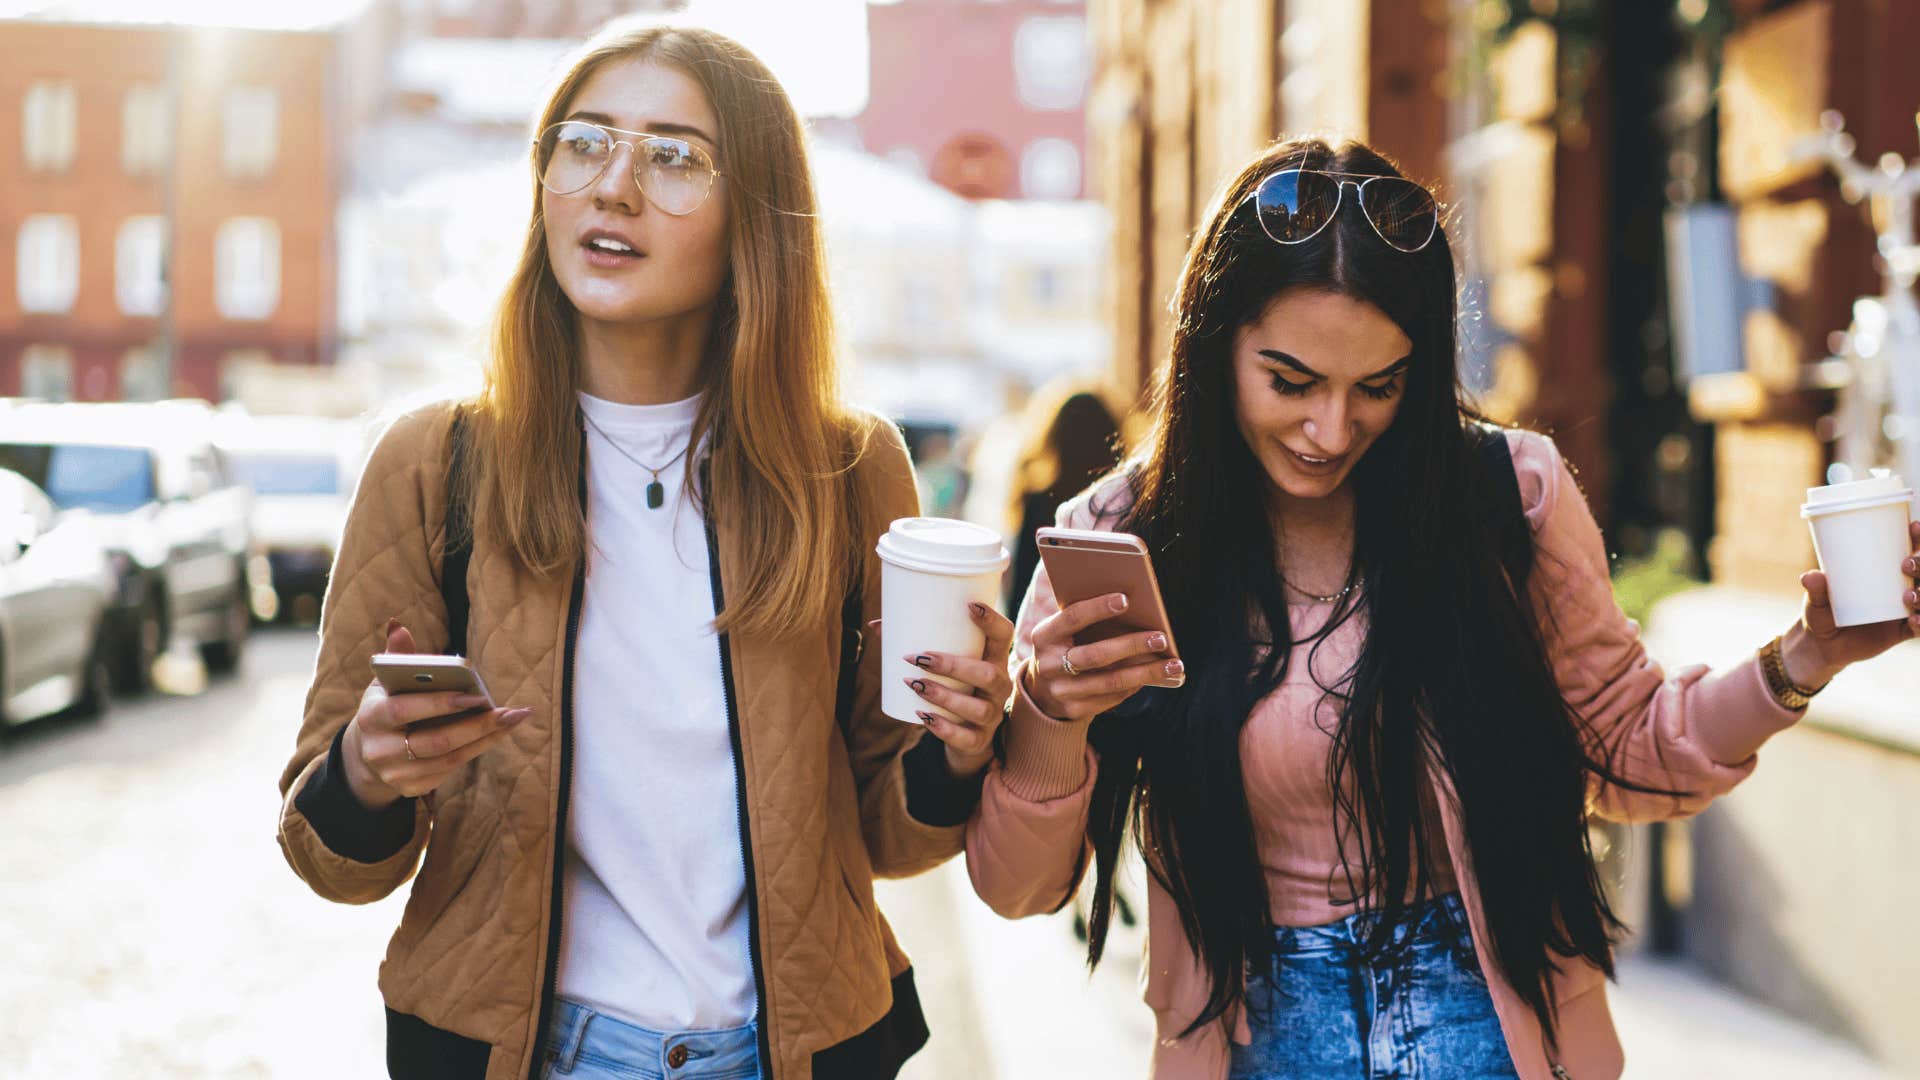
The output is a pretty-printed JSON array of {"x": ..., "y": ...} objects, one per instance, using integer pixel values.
[
  {"x": 1860, "y": 534},
  {"x": 930, "y": 570}
]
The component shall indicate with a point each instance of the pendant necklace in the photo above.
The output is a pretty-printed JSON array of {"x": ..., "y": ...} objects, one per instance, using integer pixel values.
[
  {"x": 656, "y": 491},
  {"x": 1341, "y": 595}
]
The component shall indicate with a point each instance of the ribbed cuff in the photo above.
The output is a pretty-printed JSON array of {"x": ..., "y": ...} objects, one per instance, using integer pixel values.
[
  {"x": 1047, "y": 759},
  {"x": 349, "y": 829},
  {"x": 1733, "y": 713},
  {"x": 934, "y": 795}
]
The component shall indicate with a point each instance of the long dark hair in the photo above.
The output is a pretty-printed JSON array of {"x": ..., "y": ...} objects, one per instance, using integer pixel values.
[{"x": 1453, "y": 674}]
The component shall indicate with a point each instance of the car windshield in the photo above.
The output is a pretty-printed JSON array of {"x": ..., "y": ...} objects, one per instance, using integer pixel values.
[
  {"x": 290, "y": 474},
  {"x": 111, "y": 479}
]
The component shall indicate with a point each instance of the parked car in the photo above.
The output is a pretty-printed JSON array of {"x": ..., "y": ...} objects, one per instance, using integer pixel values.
[
  {"x": 56, "y": 586},
  {"x": 302, "y": 471},
  {"x": 176, "y": 520}
]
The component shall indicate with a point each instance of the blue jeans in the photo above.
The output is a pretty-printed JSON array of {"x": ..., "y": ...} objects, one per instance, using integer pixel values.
[
  {"x": 586, "y": 1045},
  {"x": 1325, "y": 1012}
]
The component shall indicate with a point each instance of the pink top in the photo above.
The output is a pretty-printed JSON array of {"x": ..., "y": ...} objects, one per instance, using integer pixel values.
[
  {"x": 1696, "y": 731},
  {"x": 1285, "y": 748}
]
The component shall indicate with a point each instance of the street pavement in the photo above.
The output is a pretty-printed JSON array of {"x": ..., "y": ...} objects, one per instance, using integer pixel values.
[{"x": 154, "y": 931}]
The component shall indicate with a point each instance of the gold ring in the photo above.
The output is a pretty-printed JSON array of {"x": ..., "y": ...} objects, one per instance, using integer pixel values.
[
  {"x": 1066, "y": 662},
  {"x": 406, "y": 740}
]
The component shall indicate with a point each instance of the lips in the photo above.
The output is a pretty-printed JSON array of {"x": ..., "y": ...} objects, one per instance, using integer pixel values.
[
  {"x": 1313, "y": 466},
  {"x": 606, "y": 248}
]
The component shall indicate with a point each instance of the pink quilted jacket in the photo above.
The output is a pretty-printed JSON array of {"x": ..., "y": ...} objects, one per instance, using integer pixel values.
[{"x": 1696, "y": 731}]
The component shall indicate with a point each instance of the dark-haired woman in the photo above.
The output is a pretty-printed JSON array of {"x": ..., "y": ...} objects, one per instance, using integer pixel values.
[
  {"x": 1072, "y": 441},
  {"x": 1406, "y": 681}
]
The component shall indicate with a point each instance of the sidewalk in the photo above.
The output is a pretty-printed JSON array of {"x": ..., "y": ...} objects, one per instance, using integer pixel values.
[{"x": 1012, "y": 1001}]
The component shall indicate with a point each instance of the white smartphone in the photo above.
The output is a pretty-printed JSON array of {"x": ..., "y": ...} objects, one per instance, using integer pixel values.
[
  {"x": 1084, "y": 563},
  {"x": 414, "y": 673}
]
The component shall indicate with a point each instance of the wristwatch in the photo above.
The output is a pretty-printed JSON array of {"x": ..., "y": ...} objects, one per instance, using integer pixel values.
[{"x": 1788, "y": 693}]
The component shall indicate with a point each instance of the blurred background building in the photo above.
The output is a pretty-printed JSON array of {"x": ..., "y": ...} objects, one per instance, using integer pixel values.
[
  {"x": 131, "y": 140},
  {"x": 985, "y": 98}
]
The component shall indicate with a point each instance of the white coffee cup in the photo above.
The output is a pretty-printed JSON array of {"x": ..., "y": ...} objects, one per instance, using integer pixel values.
[
  {"x": 930, "y": 570},
  {"x": 1860, "y": 535}
]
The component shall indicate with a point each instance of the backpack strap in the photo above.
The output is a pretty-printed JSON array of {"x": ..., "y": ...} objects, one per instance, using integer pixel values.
[
  {"x": 1510, "y": 526},
  {"x": 853, "y": 643},
  {"x": 459, "y": 542}
]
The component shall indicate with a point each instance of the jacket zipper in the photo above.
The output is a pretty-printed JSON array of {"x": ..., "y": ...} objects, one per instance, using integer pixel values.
[
  {"x": 550, "y": 984},
  {"x": 762, "y": 1021}
]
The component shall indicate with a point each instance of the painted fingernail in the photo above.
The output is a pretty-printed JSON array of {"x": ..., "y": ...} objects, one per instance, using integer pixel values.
[
  {"x": 1156, "y": 641},
  {"x": 1175, "y": 667},
  {"x": 979, "y": 610},
  {"x": 923, "y": 661},
  {"x": 1912, "y": 598},
  {"x": 514, "y": 716},
  {"x": 925, "y": 717},
  {"x": 1910, "y": 566},
  {"x": 470, "y": 701},
  {"x": 919, "y": 685},
  {"x": 394, "y": 622},
  {"x": 1118, "y": 602}
]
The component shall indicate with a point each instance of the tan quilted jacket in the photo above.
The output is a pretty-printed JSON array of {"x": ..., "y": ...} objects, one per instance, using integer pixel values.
[{"x": 472, "y": 961}]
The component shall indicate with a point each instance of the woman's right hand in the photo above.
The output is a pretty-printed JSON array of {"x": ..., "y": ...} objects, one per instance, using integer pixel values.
[
  {"x": 404, "y": 745},
  {"x": 1109, "y": 671}
]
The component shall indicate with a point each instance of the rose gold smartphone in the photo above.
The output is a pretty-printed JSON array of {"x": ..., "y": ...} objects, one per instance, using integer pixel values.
[
  {"x": 1085, "y": 563},
  {"x": 413, "y": 673}
]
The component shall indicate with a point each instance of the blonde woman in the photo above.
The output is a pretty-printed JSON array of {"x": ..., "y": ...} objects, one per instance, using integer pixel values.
[{"x": 652, "y": 532}]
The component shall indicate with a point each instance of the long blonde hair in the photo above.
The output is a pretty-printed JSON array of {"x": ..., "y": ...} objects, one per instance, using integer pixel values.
[{"x": 780, "y": 438}]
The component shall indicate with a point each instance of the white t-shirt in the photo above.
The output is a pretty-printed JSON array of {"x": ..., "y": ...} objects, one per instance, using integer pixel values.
[{"x": 656, "y": 894}]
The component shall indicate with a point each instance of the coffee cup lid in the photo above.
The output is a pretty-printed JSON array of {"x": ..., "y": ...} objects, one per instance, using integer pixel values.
[
  {"x": 1882, "y": 487},
  {"x": 943, "y": 546}
]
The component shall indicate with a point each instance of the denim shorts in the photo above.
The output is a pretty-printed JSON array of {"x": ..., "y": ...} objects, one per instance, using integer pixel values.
[
  {"x": 1326, "y": 1011},
  {"x": 586, "y": 1045}
]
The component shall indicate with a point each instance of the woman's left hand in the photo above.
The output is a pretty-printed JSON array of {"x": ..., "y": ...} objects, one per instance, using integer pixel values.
[
  {"x": 979, "y": 705},
  {"x": 1816, "y": 650}
]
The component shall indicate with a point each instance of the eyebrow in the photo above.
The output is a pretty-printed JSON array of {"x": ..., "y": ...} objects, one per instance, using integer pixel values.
[
  {"x": 651, "y": 127},
  {"x": 1277, "y": 356}
]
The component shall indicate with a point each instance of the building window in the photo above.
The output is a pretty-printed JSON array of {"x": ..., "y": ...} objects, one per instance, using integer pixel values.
[
  {"x": 246, "y": 267},
  {"x": 47, "y": 122},
  {"x": 250, "y": 131},
  {"x": 1051, "y": 61},
  {"x": 142, "y": 376},
  {"x": 46, "y": 372},
  {"x": 1050, "y": 169},
  {"x": 48, "y": 263},
  {"x": 139, "y": 265},
  {"x": 145, "y": 135}
]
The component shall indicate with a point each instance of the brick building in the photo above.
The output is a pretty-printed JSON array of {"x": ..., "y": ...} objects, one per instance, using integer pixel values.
[
  {"x": 986, "y": 98},
  {"x": 121, "y": 143}
]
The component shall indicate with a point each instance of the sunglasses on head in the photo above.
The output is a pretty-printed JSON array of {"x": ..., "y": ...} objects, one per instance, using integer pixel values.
[{"x": 1294, "y": 205}]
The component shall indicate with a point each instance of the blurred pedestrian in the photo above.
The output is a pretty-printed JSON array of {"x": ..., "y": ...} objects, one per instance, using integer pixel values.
[
  {"x": 1072, "y": 440},
  {"x": 943, "y": 482},
  {"x": 1405, "y": 684},
  {"x": 653, "y": 532}
]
